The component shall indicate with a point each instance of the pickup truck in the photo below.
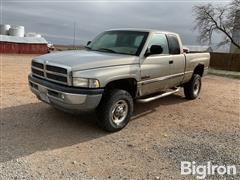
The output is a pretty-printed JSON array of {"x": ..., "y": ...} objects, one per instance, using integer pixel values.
[{"x": 116, "y": 69}]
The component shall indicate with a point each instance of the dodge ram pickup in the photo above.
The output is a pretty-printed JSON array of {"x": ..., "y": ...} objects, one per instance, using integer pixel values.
[{"x": 116, "y": 69}]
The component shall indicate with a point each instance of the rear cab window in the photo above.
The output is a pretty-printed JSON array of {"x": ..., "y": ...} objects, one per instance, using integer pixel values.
[{"x": 173, "y": 43}]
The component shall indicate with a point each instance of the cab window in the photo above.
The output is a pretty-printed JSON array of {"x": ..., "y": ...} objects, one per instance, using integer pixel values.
[
  {"x": 160, "y": 39},
  {"x": 174, "y": 47}
]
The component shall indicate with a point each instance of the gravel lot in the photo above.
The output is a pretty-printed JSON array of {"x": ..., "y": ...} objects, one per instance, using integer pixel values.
[{"x": 39, "y": 142}]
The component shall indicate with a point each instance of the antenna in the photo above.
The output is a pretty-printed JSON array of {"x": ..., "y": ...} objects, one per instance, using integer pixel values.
[{"x": 74, "y": 34}]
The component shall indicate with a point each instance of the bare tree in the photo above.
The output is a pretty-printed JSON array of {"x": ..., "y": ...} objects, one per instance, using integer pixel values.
[{"x": 220, "y": 19}]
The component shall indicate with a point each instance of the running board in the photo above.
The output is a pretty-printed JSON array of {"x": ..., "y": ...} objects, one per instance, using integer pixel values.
[{"x": 158, "y": 96}]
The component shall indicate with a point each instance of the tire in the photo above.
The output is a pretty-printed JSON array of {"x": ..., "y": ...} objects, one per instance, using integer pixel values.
[
  {"x": 115, "y": 110},
  {"x": 193, "y": 87}
]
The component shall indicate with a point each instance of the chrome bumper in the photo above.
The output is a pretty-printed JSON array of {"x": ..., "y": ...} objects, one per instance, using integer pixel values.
[{"x": 65, "y": 98}]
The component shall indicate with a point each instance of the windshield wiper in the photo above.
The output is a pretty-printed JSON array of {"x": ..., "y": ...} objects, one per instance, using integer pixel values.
[{"x": 107, "y": 50}]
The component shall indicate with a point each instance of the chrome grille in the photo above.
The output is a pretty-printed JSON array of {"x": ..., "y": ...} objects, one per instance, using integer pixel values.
[{"x": 51, "y": 72}]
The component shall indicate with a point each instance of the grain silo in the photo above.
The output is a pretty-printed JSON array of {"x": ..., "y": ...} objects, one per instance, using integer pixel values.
[
  {"x": 4, "y": 28},
  {"x": 236, "y": 33},
  {"x": 18, "y": 31}
]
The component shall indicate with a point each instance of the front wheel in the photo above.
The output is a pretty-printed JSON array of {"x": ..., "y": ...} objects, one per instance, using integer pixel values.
[
  {"x": 193, "y": 87},
  {"x": 115, "y": 110}
]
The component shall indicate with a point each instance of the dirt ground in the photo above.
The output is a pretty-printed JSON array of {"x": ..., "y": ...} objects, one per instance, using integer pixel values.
[{"x": 39, "y": 142}]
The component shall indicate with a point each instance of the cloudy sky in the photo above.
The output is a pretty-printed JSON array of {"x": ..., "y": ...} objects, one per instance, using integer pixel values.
[{"x": 55, "y": 19}]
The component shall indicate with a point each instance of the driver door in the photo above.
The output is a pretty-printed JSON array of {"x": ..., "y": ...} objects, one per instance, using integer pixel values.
[{"x": 155, "y": 68}]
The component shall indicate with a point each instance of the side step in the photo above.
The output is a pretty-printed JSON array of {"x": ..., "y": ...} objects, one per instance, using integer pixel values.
[{"x": 158, "y": 96}]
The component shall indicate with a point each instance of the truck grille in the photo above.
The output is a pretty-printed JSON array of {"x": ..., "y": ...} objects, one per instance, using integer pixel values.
[
  {"x": 50, "y": 72},
  {"x": 38, "y": 65},
  {"x": 56, "y": 69},
  {"x": 37, "y": 72},
  {"x": 56, "y": 77}
]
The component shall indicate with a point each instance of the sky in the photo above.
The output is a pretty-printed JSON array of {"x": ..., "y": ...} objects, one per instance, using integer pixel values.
[{"x": 55, "y": 19}]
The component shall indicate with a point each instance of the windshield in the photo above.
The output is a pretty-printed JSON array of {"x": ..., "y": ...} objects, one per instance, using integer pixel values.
[{"x": 121, "y": 42}]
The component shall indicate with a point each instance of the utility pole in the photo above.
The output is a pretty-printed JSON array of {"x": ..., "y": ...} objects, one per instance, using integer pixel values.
[{"x": 74, "y": 34}]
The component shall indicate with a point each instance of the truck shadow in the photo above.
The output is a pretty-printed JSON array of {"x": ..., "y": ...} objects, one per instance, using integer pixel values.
[
  {"x": 35, "y": 127},
  {"x": 29, "y": 128}
]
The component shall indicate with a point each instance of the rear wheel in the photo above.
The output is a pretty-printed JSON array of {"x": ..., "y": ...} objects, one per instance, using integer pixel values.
[
  {"x": 115, "y": 110},
  {"x": 193, "y": 87}
]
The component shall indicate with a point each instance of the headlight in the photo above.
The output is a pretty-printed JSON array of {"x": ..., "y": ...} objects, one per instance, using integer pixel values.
[{"x": 84, "y": 82}]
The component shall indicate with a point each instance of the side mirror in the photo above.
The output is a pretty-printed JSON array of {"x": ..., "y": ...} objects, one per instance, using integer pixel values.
[
  {"x": 154, "y": 49},
  {"x": 88, "y": 42},
  {"x": 185, "y": 50}
]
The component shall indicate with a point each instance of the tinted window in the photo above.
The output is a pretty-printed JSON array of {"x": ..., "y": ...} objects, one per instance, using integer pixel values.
[
  {"x": 160, "y": 39},
  {"x": 174, "y": 47}
]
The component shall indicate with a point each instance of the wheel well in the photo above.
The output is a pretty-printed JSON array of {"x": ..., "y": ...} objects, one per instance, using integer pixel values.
[
  {"x": 129, "y": 85},
  {"x": 199, "y": 69}
]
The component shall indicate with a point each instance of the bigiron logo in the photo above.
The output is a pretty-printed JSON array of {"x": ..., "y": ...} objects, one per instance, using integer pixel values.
[{"x": 203, "y": 170}]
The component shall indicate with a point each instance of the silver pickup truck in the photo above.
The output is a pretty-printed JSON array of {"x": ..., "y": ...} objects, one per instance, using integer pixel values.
[{"x": 117, "y": 68}]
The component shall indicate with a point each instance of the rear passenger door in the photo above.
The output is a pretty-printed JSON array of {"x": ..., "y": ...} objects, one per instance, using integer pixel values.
[{"x": 177, "y": 63}]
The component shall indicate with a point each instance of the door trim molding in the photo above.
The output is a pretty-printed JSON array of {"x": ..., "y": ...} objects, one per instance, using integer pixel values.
[{"x": 160, "y": 78}]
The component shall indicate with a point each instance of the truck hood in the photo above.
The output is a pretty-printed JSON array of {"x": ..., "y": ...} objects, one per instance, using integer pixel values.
[{"x": 83, "y": 59}]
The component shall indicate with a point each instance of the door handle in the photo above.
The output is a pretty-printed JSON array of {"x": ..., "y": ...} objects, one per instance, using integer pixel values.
[{"x": 171, "y": 62}]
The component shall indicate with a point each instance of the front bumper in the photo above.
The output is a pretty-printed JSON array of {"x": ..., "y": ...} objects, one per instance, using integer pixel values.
[{"x": 66, "y": 98}]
